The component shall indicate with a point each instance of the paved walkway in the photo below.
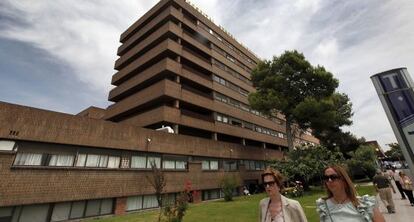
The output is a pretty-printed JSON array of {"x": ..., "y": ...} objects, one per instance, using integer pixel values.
[{"x": 404, "y": 211}]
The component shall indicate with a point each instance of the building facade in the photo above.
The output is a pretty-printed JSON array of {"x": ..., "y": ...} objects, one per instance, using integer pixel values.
[{"x": 177, "y": 71}]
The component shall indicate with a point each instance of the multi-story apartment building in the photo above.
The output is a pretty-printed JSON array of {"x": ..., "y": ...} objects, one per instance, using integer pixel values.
[{"x": 176, "y": 70}]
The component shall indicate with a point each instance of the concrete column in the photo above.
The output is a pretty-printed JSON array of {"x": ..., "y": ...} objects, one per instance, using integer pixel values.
[
  {"x": 120, "y": 205},
  {"x": 244, "y": 141},
  {"x": 175, "y": 128},
  {"x": 177, "y": 103},
  {"x": 214, "y": 136},
  {"x": 264, "y": 145},
  {"x": 179, "y": 41},
  {"x": 177, "y": 79},
  {"x": 178, "y": 59}
]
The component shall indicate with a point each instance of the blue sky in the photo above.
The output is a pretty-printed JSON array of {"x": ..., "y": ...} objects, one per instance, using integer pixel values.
[{"x": 59, "y": 55}]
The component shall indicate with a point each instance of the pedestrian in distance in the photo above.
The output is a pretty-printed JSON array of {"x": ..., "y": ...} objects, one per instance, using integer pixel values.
[
  {"x": 341, "y": 203},
  {"x": 276, "y": 207},
  {"x": 396, "y": 177},
  {"x": 383, "y": 187},
  {"x": 407, "y": 186}
]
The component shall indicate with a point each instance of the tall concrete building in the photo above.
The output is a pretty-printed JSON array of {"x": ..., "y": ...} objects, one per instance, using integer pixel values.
[{"x": 180, "y": 101}]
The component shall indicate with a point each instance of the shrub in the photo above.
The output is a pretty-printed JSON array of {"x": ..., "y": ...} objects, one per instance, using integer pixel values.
[{"x": 228, "y": 184}]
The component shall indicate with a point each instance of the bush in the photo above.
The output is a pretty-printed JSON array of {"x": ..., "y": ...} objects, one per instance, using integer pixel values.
[
  {"x": 296, "y": 191},
  {"x": 228, "y": 184},
  {"x": 175, "y": 212}
]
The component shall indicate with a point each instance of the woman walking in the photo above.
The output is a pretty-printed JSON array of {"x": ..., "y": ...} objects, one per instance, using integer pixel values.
[
  {"x": 407, "y": 186},
  {"x": 276, "y": 207},
  {"x": 341, "y": 203}
]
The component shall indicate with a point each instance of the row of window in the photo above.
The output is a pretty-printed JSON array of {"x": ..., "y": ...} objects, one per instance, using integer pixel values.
[
  {"x": 231, "y": 72},
  {"x": 59, "y": 211},
  {"x": 231, "y": 58},
  {"x": 225, "y": 99},
  {"x": 230, "y": 85},
  {"x": 254, "y": 164},
  {"x": 237, "y": 122},
  {"x": 142, "y": 161},
  {"x": 141, "y": 202},
  {"x": 100, "y": 161},
  {"x": 226, "y": 43}
]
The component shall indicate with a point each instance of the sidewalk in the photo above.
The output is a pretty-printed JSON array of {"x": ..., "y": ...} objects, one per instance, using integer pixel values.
[{"x": 404, "y": 211}]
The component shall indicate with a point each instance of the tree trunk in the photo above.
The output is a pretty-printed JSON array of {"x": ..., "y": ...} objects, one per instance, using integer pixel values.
[{"x": 289, "y": 134}]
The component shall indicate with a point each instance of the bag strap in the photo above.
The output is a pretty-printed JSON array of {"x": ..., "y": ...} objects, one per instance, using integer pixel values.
[{"x": 329, "y": 212}]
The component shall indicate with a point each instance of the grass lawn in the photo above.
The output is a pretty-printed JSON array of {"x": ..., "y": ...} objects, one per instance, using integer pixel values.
[{"x": 242, "y": 209}]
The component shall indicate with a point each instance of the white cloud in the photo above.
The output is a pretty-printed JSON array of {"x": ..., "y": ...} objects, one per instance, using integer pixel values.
[{"x": 82, "y": 34}]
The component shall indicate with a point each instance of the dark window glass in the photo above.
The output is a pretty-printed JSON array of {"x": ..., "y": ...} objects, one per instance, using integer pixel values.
[
  {"x": 61, "y": 211},
  {"x": 392, "y": 81},
  {"x": 77, "y": 209},
  {"x": 92, "y": 208},
  {"x": 402, "y": 103}
]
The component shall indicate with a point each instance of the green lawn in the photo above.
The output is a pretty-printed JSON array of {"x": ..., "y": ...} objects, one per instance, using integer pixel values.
[{"x": 242, "y": 209}]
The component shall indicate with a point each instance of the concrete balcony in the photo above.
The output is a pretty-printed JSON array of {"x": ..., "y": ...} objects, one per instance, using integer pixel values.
[
  {"x": 166, "y": 14},
  {"x": 248, "y": 134},
  {"x": 130, "y": 69},
  {"x": 163, "y": 88},
  {"x": 124, "y": 89},
  {"x": 163, "y": 113},
  {"x": 168, "y": 27}
]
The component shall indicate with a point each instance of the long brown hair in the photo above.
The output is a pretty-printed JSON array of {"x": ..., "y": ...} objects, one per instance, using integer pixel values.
[{"x": 349, "y": 186}]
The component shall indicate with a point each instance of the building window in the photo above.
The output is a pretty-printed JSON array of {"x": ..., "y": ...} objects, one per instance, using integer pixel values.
[
  {"x": 168, "y": 164},
  {"x": 153, "y": 160},
  {"x": 230, "y": 165},
  {"x": 150, "y": 201},
  {"x": 138, "y": 162},
  {"x": 61, "y": 211},
  {"x": 225, "y": 119},
  {"x": 28, "y": 159},
  {"x": 98, "y": 161},
  {"x": 94, "y": 160},
  {"x": 174, "y": 162},
  {"x": 6, "y": 213},
  {"x": 211, "y": 194},
  {"x": 6, "y": 145},
  {"x": 235, "y": 122},
  {"x": 79, "y": 209},
  {"x": 134, "y": 203},
  {"x": 61, "y": 160},
  {"x": 114, "y": 161},
  {"x": 209, "y": 165}
]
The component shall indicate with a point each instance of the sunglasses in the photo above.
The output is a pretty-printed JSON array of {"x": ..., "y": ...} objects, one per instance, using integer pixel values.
[
  {"x": 332, "y": 177},
  {"x": 269, "y": 184}
]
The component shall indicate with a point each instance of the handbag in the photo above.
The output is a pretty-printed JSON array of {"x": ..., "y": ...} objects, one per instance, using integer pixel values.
[{"x": 408, "y": 185}]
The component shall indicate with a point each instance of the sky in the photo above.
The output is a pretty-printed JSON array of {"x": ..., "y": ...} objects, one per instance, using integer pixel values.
[{"x": 59, "y": 55}]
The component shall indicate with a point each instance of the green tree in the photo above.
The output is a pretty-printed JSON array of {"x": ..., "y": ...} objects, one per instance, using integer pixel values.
[
  {"x": 304, "y": 94},
  {"x": 228, "y": 184},
  {"x": 395, "y": 152},
  {"x": 345, "y": 141},
  {"x": 306, "y": 162},
  {"x": 364, "y": 160}
]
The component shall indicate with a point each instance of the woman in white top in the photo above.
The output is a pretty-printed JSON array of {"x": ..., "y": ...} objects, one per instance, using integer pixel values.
[{"x": 276, "y": 207}]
